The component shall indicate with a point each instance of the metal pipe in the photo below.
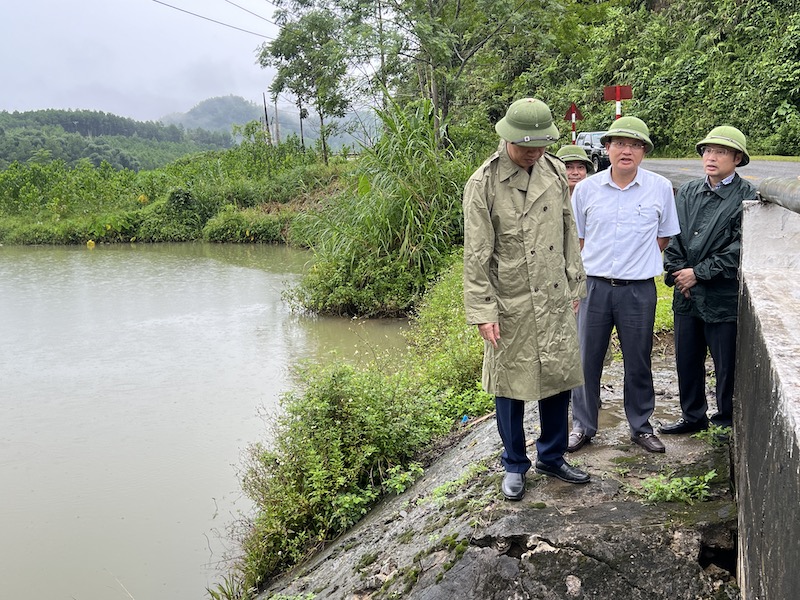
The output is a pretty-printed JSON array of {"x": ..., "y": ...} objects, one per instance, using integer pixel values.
[{"x": 781, "y": 191}]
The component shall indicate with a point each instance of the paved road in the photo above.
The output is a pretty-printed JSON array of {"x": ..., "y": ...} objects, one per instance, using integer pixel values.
[{"x": 681, "y": 170}]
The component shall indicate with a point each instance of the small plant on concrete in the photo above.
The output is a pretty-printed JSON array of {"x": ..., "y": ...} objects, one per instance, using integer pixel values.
[
  {"x": 440, "y": 493},
  {"x": 663, "y": 488},
  {"x": 715, "y": 435},
  {"x": 400, "y": 479}
]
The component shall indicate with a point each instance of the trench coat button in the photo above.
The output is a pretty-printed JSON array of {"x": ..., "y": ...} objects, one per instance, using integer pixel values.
[
  {"x": 555, "y": 285},
  {"x": 544, "y": 208},
  {"x": 551, "y": 247},
  {"x": 533, "y": 251},
  {"x": 535, "y": 289},
  {"x": 488, "y": 299}
]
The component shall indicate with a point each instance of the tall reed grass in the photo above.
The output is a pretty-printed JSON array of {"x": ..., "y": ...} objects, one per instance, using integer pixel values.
[{"x": 380, "y": 244}]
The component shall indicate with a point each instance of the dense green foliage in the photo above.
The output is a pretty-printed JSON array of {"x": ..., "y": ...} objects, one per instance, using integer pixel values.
[
  {"x": 691, "y": 64},
  {"x": 351, "y": 434},
  {"x": 73, "y": 136},
  {"x": 236, "y": 195},
  {"x": 379, "y": 244}
]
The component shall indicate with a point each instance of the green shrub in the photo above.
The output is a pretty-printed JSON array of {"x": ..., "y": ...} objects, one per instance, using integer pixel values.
[
  {"x": 333, "y": 447},
  {"x": 449, "y": 351},
  {"x": 161, "y": 222},
  {"x": 370, "y": 285},
  {"x": 663, "y": 488},
  {"x": 379, "y": 245},
  {"x": 247, "y": 226}
]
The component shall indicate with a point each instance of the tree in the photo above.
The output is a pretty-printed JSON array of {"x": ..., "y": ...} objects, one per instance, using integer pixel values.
[{"x": 311, "y": 63}]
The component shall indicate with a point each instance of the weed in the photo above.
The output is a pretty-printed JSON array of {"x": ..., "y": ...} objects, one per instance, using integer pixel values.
[
  {"x": 663, "y": 488},
  {"x": 715, "y": 435},
  {"x": 366, "y": 560},
  {"x": 231, "y": 588}
]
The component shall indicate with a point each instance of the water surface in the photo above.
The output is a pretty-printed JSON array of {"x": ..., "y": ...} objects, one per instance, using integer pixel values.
[{"x": 132, "y": 378}]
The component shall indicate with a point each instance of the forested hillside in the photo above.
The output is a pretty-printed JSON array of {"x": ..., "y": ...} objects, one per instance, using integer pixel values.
[
  {"x": 692, "y": 64},
  {"x": 75, "y": 135}
]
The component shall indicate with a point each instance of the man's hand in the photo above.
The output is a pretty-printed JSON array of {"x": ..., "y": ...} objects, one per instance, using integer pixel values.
[
  {"x": 685, "y": 280},
  {"x": 490, "y": 332}
]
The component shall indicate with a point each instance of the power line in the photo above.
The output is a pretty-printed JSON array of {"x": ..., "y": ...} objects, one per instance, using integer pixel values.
[
  {"x": 252, "y": 13},
  {"x": 215, "y": 21}
]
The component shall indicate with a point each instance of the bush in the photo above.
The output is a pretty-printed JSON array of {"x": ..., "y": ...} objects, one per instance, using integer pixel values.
[
  {"x": 343, "y": 435},
  {"x": 161, "y": 222},
  {"x": 380, "y": 244},
  {"x": 252, "y": 225}
]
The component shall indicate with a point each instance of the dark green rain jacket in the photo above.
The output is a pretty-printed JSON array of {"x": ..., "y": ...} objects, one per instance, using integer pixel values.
[{"x": 709, "y": 243}]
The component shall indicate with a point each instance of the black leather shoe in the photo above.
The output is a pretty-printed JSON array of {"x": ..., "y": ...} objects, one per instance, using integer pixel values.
[
  {"x": 513, "y": 486},
  {"x": 577, "y": 439},
  {"x": 565, "y": 472},
  {"x": 648, "y": 441},
  {"x": 683, "y": 426}
]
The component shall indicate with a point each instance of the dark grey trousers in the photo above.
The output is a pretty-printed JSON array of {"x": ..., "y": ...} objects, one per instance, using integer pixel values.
[{"x": 631, "y": 309}]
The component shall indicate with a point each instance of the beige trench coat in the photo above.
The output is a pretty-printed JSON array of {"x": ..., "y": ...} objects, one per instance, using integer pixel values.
[{"x": 523, "y": 269}]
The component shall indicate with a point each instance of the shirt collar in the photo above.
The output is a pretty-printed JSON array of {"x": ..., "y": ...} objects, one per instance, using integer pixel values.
[
  {"x": 637, "y": 180},
  {"x": 725, "y": 181},
  {"x": 509, "y": 170}
]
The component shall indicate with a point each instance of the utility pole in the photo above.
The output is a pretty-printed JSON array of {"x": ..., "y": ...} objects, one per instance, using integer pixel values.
[
  {"x": 277, "y": 126},
  {"x": 266, "y": 120}
]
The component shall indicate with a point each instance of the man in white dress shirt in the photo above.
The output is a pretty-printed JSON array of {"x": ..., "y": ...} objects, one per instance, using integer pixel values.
[{"x": 625, "y": 217}]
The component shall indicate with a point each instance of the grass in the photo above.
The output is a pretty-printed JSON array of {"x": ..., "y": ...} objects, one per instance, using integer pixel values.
[{"x": 665, "y": 488}]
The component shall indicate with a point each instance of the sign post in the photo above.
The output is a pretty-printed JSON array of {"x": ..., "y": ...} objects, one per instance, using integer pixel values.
[
  {"x": 573, "y": 114},
  {"x": 617, "y": 93}
]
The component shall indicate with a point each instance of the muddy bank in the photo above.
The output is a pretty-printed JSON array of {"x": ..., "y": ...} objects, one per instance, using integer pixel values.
[{"x": 452, "y": 535}]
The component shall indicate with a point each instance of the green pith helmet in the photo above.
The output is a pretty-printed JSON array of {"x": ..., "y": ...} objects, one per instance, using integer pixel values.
[
  {"x": 629, "y": 127},
  {"x": 727, "y": 136},
  {"x": 575, "y": 153},
  {"x": 528, "y": 122}
]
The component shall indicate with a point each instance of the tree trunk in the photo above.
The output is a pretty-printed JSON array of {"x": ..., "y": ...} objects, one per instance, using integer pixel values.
[
  {"x": 323, "y": 136},
  {"x": 302, "y": 137},
  {"x": 435, "y": 108}
]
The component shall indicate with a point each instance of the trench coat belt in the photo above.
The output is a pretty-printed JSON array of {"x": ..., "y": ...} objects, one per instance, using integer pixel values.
[{"x": 620, "y": 282}]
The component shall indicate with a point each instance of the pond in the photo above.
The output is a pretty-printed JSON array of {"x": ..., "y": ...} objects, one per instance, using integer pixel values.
[{"x": 132, "y": 379}]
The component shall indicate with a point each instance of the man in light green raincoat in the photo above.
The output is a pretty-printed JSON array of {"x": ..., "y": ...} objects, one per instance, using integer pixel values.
[{"x": 523, "y": 278}]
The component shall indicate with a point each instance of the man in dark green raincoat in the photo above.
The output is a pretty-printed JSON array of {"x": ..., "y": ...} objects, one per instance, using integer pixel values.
[{"x": 702, "y": 262}]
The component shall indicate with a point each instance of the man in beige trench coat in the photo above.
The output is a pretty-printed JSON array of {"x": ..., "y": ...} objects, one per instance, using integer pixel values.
[{"x": 523, "y": 278}]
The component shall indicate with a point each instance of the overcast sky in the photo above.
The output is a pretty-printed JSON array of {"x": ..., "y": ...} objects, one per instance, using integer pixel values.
[{"x": 133, "y": 58}]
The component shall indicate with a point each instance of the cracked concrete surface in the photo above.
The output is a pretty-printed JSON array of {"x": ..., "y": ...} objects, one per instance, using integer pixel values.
[{"x": 561, "y": 541}]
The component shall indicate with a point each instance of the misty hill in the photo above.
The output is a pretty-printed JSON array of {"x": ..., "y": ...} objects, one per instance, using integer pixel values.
[
  {"x": 217, "y": 114},
  {"x": 224, "y": 112}
]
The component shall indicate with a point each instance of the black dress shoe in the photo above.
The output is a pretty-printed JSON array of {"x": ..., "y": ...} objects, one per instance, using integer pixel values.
[
  {"x": 577, "y": 439},
  {"x": 564, "y": 472},
  {"x": 513, "y": 486},
  {"x": 648, "y": 441},
  {"x": 683, "y": 426}
]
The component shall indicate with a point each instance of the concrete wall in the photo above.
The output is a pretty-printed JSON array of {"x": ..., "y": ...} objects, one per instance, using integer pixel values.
[{"x": 767, "y": 405}]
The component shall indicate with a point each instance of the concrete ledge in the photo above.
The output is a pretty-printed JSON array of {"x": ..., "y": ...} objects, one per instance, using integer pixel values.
[{"x": 767, "y": 404}]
